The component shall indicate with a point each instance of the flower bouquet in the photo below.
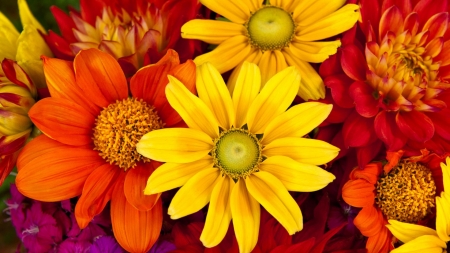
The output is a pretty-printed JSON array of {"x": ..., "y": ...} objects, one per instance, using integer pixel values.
[{"x": 228, "y": 126}]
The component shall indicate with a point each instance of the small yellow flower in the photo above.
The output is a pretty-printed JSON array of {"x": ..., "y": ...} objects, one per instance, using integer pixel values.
[
  {"x": 423, "y": 239},
  {"x": 275, "y": 35},
  {"x": 240, "y": 151}
]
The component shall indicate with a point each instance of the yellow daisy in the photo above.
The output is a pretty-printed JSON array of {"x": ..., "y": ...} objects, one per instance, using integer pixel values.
[
  {"x": 423, "y": 239},
  {"x": 273, "y": 35},
  {"x": 238, "y": 152}
]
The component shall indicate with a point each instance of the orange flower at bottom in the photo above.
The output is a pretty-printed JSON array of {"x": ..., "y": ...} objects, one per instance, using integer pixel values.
[
  {"x": 91, "y": 125},
  {"x": 392, "y": 193}
]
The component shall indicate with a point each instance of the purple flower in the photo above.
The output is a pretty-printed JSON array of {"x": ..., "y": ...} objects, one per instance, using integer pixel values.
[
  {"x": 162, "y": 246},
  {"x": 106, "y": 244},
  {"x": 74, "y": 246}
]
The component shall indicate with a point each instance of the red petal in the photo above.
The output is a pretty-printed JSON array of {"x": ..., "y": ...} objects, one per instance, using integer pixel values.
[
  {"x": 135, "y": 183},
  {"x": 353, "y": 63},
  {"x": 59, "y": 46},
  {"x": 321, "y": 243},
  {"x": 387, "y": 130},
  {"x": 365, "y": 104},
  {"x": 370, "y": 14},
  {"x": 65, "y": 23},
  {"x": 427, "y": 8},
  {"x": 302, "y": 247},
  {"x": 90, "y": 9},
  {"x": 96, "y": 193},
  {"x": 416, "y": 125},
  {"x": 441, "y": 122},
  {"x": 358, "y": 131},
  {"x": 391, "y": 20},
  {"x": 405, "y": 6},
  {"x": 339, "y": 85},
  {"x": 17, "y": 75},
  {"x": 7, "y": 164},
  {"x": 367, "y": 153},
  {"x": 331, "y": 66}
]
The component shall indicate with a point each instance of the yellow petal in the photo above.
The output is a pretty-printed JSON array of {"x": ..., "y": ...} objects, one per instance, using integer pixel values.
[
  {"x": 213, "y": 91},
  {"x": 247, "y": 88},
  {"x": 297, "y": 121},
  {"x": 228, "y": 54},
  {"x": 274, "y": 197},
  {"x": 236, "y": 11},
  {"x": 172, "y": 175},
  {"x": 211, "y": 31},
  {"x": 175, "y": 145},
  {"x": 246, "y": 212},
  {"x": 423, "y": 244},
  {"x": 315, "y": 52},
  {"x": 316, "y": 11},
  {"x": 276, "y": 96},
  {"x": 443, "y": 216},
  {"x": 8, "y": 42},
  {"x": 446, "y": 174},
  {"x": 302, "y": 150},
  {"x": 27, "y": 18},
  {"x": 194, "y": 195},
  {"x": 193, "y": 111},
  {"x": 253, "y": 5},
  {"x": 219, "y": 213},
  {"x": 333, "y": 24},
  {"x": 406, "y": 232},
  {"x": 7, "y": 26},
  {"x": 295, "y": 176},
  {"x": 253, "y": 57},
  {"x": 311, "y": 86},
  {"x": 271, "y": 63}
]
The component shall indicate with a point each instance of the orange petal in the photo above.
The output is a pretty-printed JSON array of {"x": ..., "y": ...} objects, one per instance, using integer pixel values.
[
  {"x": 52, "y": 171},
  {"x": 369, "y": 221},
  {"x": 135, "y": 183},
  {"x": 371, "y": 172},
  {"x": 393, "y": 159},
  {"x": 358, "y": 193},
  {"x": 61, "y": 83},
  {"x": 97, "y": 192},
  {"x": 136, "y": 231},
  {"x": 100, "y": 77},
  {"x": 63, "y": 120},
  {"x": 380, "y": 242}
]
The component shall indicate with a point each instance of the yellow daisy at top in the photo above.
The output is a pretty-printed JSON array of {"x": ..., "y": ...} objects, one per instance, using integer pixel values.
[
  {"x": 239, "y": 151},
  {"x": 273, "y": 35},
  {"x": 424, "y": 239}
]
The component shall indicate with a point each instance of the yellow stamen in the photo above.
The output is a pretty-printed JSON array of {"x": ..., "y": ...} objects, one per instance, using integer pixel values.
[
  {"x": 407, "y": 193},
  {"x": 118, "y": 129}
]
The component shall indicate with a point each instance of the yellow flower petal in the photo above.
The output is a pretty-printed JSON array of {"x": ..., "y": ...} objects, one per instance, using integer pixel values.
[
  {"x": 297, "y": 176},
  {"x": 271, "y": 63},
  {"x": 423, "y": 244},
  {"x": 193, "y": 111},
  {"x": 312, "y": 86},
  {"x": 302, "y": 150},
  {"x": 406, "y": 232},
  {"x": 246, "y": 212},
  {"x": 194, "y": 195},
  {"x": 276, "y": 96},
  {"x": 219, "y": 213},
  {"x": 253, "y": 57},
  {"x": 211, "y": 31},
  {"x": 8, "y": 27},
  {"x": 228, "y": 54},
  {"x": 443, "y": 216},
  {"x": 175, "y": 145},
  {"x": 315, "y": 52},
  {"x": 27, "y": 18},
  {"x": 297, "y": 121},
  {"x": 274, "y": 197},
  {"x": 316, "y": 11},
  {"x": 172, "y": 175},
  {"x": 253, "y": 5},
  {"x": 213, "y": 91},
  {"x": 236, "y": 11},
  {"x": 446, "y": 174},
  {"x": 333, "y": 24},
  {"x": 247, "y": 88}
]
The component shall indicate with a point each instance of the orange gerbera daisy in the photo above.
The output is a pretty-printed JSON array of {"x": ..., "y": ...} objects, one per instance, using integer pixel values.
[
  {"x": 91, "y": 124},
  {"x": 404, "y": 190}
]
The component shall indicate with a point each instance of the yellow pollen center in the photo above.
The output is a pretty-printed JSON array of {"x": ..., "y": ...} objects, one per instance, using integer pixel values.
[
  {"x": 118, "y": 129},
  {"x": 407, "y": 193},
  {"x": 270, "y": 28},
  {"x": 237, "y": 153}
]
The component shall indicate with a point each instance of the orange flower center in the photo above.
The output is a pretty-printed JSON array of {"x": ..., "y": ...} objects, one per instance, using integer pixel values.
[
  {"x": 406, "y": 193},
  {"x": 118, "y": 129}
]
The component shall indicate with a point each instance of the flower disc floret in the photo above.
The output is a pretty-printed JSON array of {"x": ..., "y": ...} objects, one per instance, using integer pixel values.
[
  {"x": 270, "y": 28},
  {"x": 407, "y": 192},
  {"x": 237, "y": 153},
  {"x": 118, "y": 129}
]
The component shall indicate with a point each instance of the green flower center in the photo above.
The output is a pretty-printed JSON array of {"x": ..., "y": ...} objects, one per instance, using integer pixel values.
[
  {"x": 270, "y": 28},
  {"x": 237, "y": 153}
]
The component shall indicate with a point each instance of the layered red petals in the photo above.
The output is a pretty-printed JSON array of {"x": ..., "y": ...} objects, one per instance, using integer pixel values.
[
  {"x": 353, "y": 63},
  {"x": 63, "y": 120},
  {"x": 136, "y": 231},
  {"x": 387, "y": 130},
  {"x": 52, "y": 171},
  {"x": 365, "y": 103},
  {"x": 416, "y": 125},
  {"x": 97, "y": 192},
  {"x": 135, "y": 182},
  {"x": 358, "y": 193},
  {"x": 358, "y": 131},
  {"x": 391, "y": 19}
]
